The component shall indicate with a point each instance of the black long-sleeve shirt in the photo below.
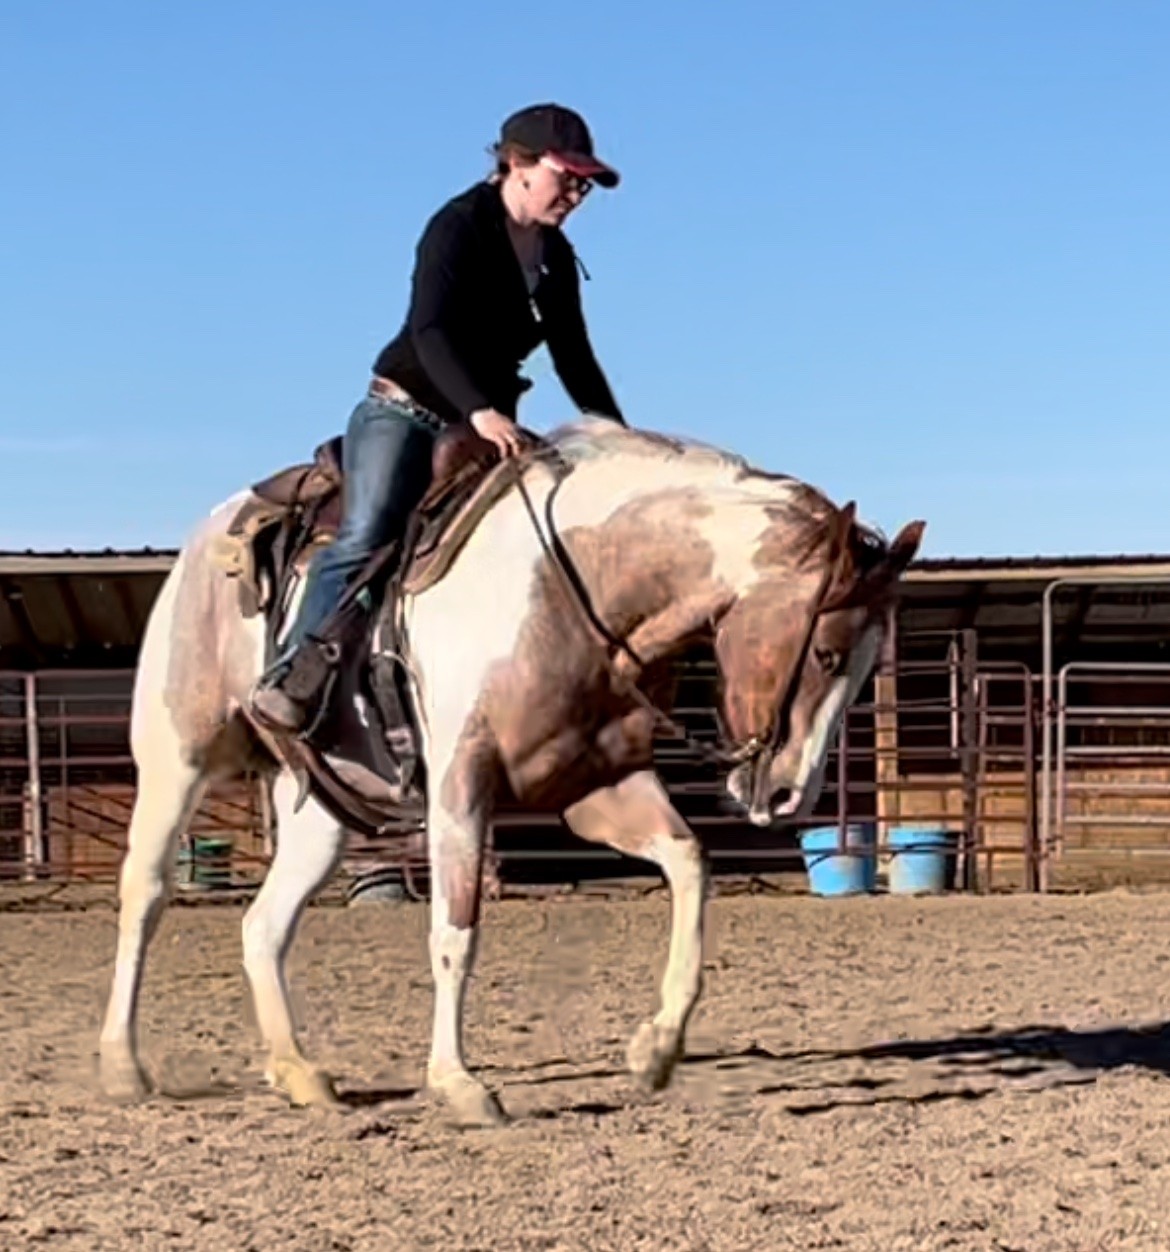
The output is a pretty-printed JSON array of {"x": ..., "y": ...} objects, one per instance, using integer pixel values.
[{"x": 471, "y": 321}]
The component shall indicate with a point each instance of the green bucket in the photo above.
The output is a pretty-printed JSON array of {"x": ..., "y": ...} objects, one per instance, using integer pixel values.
[{"x": 207, "y": 863}]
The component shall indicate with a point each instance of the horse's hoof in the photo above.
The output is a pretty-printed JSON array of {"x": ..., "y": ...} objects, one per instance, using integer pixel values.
[
  {"x": 304, "y": 1084},
  {"x": 472, "y": 1104},
  {"x": 652, "y": 1055},
  {"x": 123, "y": 1080}
]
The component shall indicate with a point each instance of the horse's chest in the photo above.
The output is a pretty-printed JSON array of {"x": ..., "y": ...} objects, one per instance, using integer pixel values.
[
  {"x": 549, "y": 706},
  {"x": 571, "y": 759}
]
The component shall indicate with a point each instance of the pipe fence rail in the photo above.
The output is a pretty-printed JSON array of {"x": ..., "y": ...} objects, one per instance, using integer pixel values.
[{"x": 952, "y": 743}]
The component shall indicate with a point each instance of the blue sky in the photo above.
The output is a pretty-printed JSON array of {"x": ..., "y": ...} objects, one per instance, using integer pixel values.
[{"x": 913, "y": 252}]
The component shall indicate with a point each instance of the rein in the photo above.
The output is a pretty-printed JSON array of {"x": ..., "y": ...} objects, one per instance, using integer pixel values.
[{"x": 757, "y": 749}]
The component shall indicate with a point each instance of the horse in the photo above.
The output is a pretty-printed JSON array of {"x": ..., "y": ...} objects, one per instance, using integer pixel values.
[{"x": 528, "y": 694}]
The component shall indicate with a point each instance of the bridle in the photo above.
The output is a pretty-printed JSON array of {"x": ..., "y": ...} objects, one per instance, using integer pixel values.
[{"x": 757, "y": 750}]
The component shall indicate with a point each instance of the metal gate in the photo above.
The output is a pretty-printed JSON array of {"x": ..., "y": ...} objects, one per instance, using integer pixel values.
[
  {"x": 1111, "y": 782},
  {"x": 945, "y": 743},
  {"x": 1105, "y": 758}
]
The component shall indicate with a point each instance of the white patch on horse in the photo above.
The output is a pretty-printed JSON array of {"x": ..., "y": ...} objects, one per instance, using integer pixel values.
[
  {"x": 735, "y": 536},
  {"x": 647, "y": 466},
  {"x": 843, "y": 692},
  {"x": 440, "y": 623}
]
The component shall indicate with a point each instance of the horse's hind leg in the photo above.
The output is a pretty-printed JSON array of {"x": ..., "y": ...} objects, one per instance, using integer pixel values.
[
  {"x": 309, "y": 843},
  {"x": 168, "y": 790},
  {"x": 637, "y": 818}
]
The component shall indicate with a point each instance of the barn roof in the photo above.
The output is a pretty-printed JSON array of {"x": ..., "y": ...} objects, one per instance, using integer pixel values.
[
  {"x": 89, "y": 607},
  {"x": 76, "y": 608}
]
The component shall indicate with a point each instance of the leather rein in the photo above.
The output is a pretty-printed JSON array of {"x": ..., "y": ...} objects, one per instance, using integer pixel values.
[{"x": 758, "y": 749}]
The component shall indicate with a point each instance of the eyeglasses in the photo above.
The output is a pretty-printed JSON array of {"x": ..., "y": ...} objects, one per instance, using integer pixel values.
[{"x": 570, "y": 183}]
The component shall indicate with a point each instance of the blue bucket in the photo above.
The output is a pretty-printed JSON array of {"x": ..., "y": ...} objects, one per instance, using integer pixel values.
[
  {"x": 922, "y": 860},
  {"x": 834, "y": 873}
]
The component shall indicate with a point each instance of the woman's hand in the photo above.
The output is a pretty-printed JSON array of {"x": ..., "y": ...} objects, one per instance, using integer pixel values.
[{"x": 498, "y": 429}]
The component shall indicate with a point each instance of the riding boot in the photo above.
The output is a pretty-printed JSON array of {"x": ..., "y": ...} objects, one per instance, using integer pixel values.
[
  {"x": 291, "y": 694},
  {"x": 387, "y": 454}
]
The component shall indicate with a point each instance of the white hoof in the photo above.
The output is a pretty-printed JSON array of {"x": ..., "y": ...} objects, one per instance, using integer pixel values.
[
  {"x": 472, "y": 1104},
  {"x": 305, "y": 1085},
  {"x": 652, "y": 1055},
  {"x": 122, "y": 1078}
]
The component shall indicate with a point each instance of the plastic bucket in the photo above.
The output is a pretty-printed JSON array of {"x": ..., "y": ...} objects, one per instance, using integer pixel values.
[
  {"x": 922, "y": 860},
  {"x": 834, "y": 873},
  {"x": 206, "y": 864}
]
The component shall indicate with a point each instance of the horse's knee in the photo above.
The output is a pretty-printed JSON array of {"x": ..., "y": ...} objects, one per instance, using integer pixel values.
[{"x": 142, "y": 886}]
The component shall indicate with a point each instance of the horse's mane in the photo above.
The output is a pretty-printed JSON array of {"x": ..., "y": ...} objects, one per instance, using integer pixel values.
[
  {"x": 801, "y": 506},
  {"x": 594, "y": 438}
]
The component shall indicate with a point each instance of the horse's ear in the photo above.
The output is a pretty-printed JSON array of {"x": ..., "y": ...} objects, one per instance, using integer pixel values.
[
  {"x": 844, "y": 567},
  {"x": 905, "y": 546},
  {"x": 843, "y": 530}
]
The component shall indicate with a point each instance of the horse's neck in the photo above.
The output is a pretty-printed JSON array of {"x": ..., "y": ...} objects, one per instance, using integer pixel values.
[{"x": 647, "y": 560}]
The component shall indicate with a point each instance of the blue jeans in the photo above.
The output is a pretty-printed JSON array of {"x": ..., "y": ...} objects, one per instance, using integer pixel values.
[{"x": 386, "y": 459}]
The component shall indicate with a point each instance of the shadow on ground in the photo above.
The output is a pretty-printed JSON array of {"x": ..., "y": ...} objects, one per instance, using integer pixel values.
[{"x": 968, "y": 1066}]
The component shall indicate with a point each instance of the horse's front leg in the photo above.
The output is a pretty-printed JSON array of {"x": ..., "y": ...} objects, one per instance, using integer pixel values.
[
  {"x": 457, "y": 826},
  {"x": 637, "y": 818}
]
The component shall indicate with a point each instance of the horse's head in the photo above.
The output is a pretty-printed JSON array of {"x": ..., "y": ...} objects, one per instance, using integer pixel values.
[{"x": 795, "y": 648}]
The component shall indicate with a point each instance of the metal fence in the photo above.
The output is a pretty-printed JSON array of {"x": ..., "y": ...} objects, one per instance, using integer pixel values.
[
  {"x": 67, "y": 781},
  {"x": 943, "y": 743}
]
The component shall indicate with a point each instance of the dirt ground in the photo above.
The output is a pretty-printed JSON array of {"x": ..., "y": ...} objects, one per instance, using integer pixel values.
[{"x": 878, "y": 1073}]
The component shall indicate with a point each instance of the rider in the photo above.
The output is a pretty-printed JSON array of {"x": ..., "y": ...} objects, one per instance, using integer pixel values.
[{"x": 493, "y": 278}]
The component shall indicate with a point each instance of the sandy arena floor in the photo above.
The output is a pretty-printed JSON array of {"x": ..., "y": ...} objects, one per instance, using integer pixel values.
[{"x": 874, "y": 1074}]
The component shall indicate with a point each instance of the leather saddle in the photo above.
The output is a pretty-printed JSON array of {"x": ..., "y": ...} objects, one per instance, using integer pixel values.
[
  {"x": 293, "y": 511},
  {"x": 460, "y": 454}
]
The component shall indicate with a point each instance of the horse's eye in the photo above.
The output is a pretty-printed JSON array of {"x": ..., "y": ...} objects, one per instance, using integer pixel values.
[{"x": 829, "y": 661}]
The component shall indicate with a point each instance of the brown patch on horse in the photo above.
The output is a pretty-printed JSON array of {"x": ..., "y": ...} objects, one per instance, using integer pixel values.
[
  {"x": 762, "y": 637},
  {"x": 625, "y": 591},
  {"x": 469, "y": 788},
  {"x": 851, "y": 584},
  {"x": 562, "y": 725},
  {"x": 757, "y": 646},
  {"x": 798, "y": 528}
]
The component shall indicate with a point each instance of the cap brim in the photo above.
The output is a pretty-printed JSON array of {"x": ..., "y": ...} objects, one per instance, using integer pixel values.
[{"x": 588, "y": 167}]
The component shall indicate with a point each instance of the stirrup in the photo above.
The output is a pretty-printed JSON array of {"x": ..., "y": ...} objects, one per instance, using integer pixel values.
[{"x": 292, "y": 696}]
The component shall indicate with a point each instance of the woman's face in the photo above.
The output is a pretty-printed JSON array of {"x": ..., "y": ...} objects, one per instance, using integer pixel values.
[{"x": 546, "y": 192}]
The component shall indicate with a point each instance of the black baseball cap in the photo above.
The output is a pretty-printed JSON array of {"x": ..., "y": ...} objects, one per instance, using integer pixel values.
[{"x": 558, "y": 132}]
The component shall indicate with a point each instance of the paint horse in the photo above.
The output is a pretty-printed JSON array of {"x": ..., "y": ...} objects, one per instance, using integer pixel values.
[{"x": 520, "y": 699}]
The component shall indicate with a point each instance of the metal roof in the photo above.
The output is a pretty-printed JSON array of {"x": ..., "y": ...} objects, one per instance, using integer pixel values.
[
  {"x": 90, "y": 607},
  {"x": 93, "y": 560},
  {"x": 1038, "y": 568},
  {"x": 76, "y": 609}
]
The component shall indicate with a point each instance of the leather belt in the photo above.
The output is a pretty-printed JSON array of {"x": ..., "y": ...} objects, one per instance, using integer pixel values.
[{"x": 386, "y": 389}]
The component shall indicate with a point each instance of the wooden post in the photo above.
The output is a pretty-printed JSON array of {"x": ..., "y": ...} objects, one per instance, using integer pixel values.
[
  {"x": 969, "y": 749},
  {"x": 885, "y": 726}
]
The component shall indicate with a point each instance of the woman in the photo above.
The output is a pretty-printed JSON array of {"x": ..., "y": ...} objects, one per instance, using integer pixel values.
[{"x": 494, "y": 277}]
